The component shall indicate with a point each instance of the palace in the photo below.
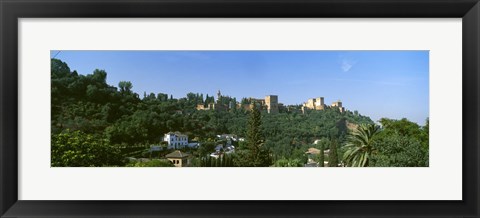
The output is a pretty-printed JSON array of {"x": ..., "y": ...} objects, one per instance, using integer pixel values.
[
  {"x": 319, "y": 104},
  {"x": 269, "y": 103}
]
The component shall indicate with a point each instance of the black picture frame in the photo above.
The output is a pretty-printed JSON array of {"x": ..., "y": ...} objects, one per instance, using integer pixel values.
[{"x": 12, "y": 10}]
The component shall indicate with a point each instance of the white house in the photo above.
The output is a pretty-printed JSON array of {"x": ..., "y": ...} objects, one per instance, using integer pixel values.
[{"x": 176, "y": 140}]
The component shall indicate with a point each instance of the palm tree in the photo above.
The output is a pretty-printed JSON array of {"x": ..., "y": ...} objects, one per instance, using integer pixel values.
[{"x": 360, "y": 145}]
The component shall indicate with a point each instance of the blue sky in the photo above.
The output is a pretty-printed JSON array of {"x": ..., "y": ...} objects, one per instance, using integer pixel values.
[{"x": 393, "y": 84}]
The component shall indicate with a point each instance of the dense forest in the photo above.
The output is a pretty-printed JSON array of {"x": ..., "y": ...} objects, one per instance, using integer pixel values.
[{"x": 97, "y": 124}]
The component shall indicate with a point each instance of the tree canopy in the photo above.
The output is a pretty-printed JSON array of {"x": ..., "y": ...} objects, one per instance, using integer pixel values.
[{"x": 86, "y": 112}]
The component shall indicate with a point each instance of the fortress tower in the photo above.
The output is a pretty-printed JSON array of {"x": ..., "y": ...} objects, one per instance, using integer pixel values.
[
  {"x": 315, "y": 103},
  {"x": 272, "y": 103},
  {"x": 338, "y": 104},
  {"x": 219, "y": 96},
  {"x": 319, "y": 103},
  {"x": 310, "y": 103}
]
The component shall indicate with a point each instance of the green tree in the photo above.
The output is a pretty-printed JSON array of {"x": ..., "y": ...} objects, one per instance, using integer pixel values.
[
  {"x": 401, "y": 127},
  {"x": 333, "y": 155},
  {"x": 288, "y": 163},
  {"x": 224, "y": 160},
  {"x": 99, "y": 76},
  {"x": 59, "y": 69},
  {"x": 255, "y": 154},
  {"x": 321, "y": 158},
  {"x": 254, "y": 131},
  {"x": 206, "y": 148},
  {"x": 399, "y": 151},
  {"x": 125, "y": 86},
  {"x": 424, "y": 137},
  {"x": 88, "y": 104},
  {"x": 360, "y": 145},
  {"x": 402, "y": 143},
  {"x": 152, "y": 163},
  {"x": 77, "y": 149}
]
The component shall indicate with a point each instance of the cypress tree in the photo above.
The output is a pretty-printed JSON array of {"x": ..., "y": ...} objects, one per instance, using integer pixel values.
[
  {"x": 256, "y": 155},
  {"x": 333, "y": 156},
  {"x": 253, "y": 154},
  {"x": 322, "y": 156},
  {"x": 254, "y": 137},
  {"x": 222, "y": 163}
]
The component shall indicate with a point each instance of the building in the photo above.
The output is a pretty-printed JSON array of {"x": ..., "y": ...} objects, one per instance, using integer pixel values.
[
  {"x": 319, "y": 103},
  {"x": 179, "y": 159},
  {"x": 212, "y": 106},
  {"x": 219, "y": 96},
  {"x": 221, "y": 150},
  {"x": 229, "y": 138},
  {"x": 312, "y": 153},
  {"x": 175, "y": 140},
  {"x": 338, "y": 104},
  {"x": 269, "y": 103},
  {"x": 304, "y": 109},
  {"x": 193, "y": 145},
  {"x": 310, "y": 104},
  {"x": 247, "y": 107},
  {"x": 258, "y": 101},
  {"x": 272, "y": 104},
  {"x": 315, "y": 103}
]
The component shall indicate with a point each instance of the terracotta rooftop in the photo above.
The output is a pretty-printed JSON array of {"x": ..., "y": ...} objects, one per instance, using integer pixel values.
[
  {"x": 177, "y": 154},
  {"x": 313, "y": 151}
]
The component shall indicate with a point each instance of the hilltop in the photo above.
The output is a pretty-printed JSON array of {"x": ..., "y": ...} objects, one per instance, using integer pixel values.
[{"x": 86, "y": 103}]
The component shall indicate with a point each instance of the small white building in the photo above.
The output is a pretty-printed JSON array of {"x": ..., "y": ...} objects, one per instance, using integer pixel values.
[{"x": 176, "y": 140}]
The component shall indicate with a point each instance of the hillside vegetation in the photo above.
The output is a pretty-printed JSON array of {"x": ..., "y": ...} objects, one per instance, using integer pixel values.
[{"x": 96, "y": 124}]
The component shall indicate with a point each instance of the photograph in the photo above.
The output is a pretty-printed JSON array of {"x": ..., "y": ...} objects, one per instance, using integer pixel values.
[
  {"x": 239, "y": 105},
  {"x": 239, "y": 108}
]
